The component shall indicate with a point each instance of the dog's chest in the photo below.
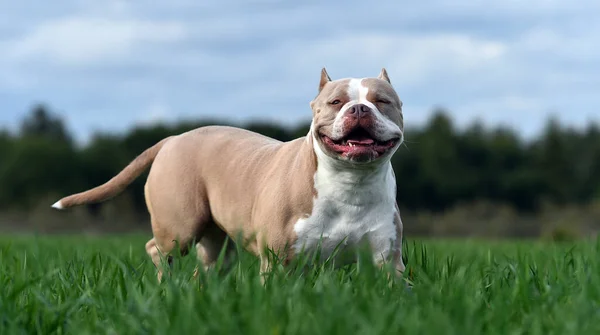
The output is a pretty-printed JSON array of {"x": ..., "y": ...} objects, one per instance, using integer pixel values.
[{"x": 345, "y": 218}]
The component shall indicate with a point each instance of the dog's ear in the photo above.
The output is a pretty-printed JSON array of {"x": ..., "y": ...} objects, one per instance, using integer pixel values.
[
  {"x": 383, "y": 75},
  {"x": 324, "y": 79}
]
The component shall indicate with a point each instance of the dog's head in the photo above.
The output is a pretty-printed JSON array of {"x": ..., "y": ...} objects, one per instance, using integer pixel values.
[{"x": 357, "y": 120}]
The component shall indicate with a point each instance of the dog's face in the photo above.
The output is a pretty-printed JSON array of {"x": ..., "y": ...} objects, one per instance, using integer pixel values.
[{"x": 357, "y": 120}]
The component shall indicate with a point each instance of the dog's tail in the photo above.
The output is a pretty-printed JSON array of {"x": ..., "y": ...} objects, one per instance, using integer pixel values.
[{"x": 117, "y": 184}]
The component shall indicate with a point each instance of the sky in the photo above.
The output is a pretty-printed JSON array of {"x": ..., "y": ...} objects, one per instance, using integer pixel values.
[{"x": 114, "y": 64}]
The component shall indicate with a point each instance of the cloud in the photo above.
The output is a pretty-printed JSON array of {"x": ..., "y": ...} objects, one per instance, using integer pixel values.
[
  {"x": 109, "y": 65},
  {"x": 416, "y": 58},
  {"x": 84, "y": 41}
]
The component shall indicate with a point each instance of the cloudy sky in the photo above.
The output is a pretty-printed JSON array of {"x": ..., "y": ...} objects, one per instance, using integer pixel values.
[{"x": 108, "y": 65}]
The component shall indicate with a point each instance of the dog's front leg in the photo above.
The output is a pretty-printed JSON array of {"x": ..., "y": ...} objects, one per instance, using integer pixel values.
[
  {"x": 264, "y": 254},
  {"x": 265, "y": 267},
  {"x": 397, "y": 249},
  {"x": 394, "y": 254}
]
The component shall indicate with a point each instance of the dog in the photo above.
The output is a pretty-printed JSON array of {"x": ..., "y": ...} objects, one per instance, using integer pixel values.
[{"x": 331, "y": 189}]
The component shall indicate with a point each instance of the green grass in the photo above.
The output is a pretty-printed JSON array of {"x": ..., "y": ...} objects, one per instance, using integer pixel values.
[{"x": 107, "y": 285}]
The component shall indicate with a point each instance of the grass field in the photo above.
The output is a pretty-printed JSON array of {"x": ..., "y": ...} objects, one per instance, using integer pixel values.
[{"x": 107, "y": 285}]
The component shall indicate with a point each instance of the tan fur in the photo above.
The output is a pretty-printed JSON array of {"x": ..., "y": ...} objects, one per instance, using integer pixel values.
[
  {"x": 218, "y": 181},
  {"x": 219, "y": 169},
  {"x": 385, "y": 93},
  {"x": 200, "y": 183}
]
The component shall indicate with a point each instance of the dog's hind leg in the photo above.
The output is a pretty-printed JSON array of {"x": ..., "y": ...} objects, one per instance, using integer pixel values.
[
  {"x": 162, "y": 246},
  {"x": 211, "y": 245},
  {"x": 155, "y": 255},
  {"x": 170, "y": 229},
  {"x": 179, "y": 213}
]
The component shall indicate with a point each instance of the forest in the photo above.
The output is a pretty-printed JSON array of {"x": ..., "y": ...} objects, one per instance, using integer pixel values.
[{"x": 470, "y": 181}]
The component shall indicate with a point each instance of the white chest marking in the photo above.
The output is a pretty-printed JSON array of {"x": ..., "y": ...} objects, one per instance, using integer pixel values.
[{"x": 352, "y": 207}]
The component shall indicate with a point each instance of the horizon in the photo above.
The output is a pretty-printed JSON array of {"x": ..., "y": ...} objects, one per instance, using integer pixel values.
[{"x": 252, "y": 122}]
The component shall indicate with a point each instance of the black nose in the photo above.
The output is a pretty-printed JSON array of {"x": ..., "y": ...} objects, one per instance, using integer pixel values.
[{"x": 360, "y": 110}]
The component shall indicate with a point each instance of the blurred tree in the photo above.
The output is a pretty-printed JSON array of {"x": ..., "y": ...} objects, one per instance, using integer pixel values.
[
  {"x": 6, "y": 146},
  {"x": 590, "y": 167},
  {"x": 407, "y": 170},
  {"x": 41, "y": 123},
  {"x": 301, "y": 130},
  {"x": 552, "y": 159},
  {"x": 437, "y": 168},
  {"x": 440, "y": 168},
  {"x": 36, "y": 168},
  {"x": 6, "y": 142},
  {"x": 41, "y": 161}
]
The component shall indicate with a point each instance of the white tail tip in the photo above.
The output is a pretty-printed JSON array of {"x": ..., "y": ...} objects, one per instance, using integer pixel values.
[{"x": 58, "y": 205}]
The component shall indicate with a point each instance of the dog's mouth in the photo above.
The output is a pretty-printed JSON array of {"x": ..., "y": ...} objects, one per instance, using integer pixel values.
[{"x": 359, "y": 145}]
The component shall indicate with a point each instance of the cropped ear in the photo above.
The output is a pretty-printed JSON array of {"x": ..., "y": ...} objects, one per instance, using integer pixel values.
[
  {"x": 324, "y": 79},
  {"x": 383, "y": 75}
]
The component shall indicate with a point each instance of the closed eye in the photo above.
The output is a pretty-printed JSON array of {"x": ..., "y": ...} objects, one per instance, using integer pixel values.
[{"x": 383, "y": 101}]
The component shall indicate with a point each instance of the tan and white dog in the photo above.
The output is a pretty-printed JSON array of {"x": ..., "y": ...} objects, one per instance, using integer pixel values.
[{"x": 333, "y": 188}]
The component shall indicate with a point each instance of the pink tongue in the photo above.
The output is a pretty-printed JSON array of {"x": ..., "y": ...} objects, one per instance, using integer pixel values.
[{"x": 361, "y": 140}]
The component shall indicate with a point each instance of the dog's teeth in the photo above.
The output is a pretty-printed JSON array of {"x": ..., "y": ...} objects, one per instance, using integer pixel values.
[{"x": 350, "y": 144}]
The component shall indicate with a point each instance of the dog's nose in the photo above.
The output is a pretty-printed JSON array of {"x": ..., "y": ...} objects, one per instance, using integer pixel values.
[{"x": 359, "y": 110}]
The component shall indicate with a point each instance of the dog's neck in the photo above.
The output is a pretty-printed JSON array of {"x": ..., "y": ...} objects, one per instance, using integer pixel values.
[{"x": 349, "y": 182}]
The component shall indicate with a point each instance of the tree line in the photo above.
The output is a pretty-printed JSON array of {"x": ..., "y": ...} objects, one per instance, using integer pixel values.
[{"x": 439, "y": 167}]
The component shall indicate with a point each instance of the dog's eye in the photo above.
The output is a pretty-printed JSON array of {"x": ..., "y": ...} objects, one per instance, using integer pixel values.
[
  {"x": 335, "y": 102},
  {"x": 383, "y": 101}
]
